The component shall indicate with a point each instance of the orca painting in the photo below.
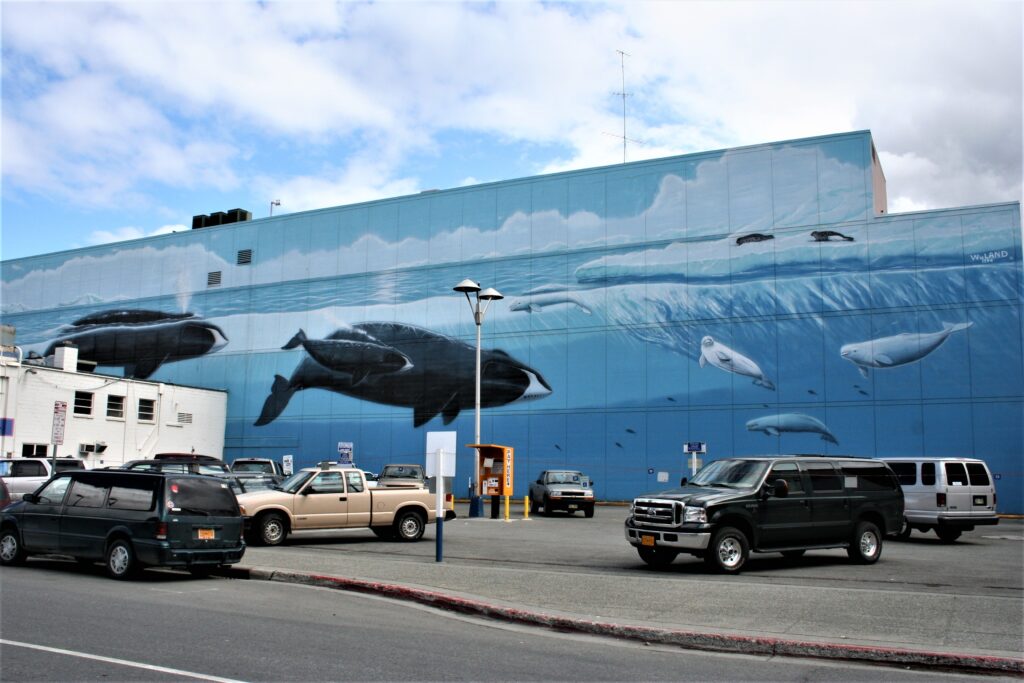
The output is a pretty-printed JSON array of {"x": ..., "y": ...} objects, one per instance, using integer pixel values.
[
  {"x": 140, "y": 341},
  {"x": 438, "y": 379}
]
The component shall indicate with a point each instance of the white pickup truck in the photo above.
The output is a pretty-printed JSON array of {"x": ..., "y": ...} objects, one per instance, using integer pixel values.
[
  {"x": 332, "y": 497},
  {"x": 25, "y": 475}
]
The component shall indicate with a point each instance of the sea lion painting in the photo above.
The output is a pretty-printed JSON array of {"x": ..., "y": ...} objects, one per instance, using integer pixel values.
[
  {"x": 773, "y": 425},
  {"x": 753, "y": 237},
  {"x": 827, "y": 235},
  {"x": 140, "y": 341},
  {"x": 719, "y": 355},
  {"x": 891, "y": 352},
  {"x": 439, "y": 378}
]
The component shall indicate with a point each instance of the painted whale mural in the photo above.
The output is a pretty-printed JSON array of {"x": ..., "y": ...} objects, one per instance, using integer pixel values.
[
  {"x": 439, "y": 379},
  {"x": 356, "y": 358},
  {"x": 891, "y": 352},
  {"x": 140, "y": 341},
  {"x": 533, "y": 302},
  {"x": 773, "y": 425},
  {"x": 719, "y": 355}
]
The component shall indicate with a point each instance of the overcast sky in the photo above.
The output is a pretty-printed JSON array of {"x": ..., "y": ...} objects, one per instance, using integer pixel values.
[{"x": 123, "y": 120}]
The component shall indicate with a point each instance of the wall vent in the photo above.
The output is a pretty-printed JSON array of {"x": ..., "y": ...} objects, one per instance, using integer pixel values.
[
  {"x": 213, "y": 279},
  {"x": 244, "y": 257},
  {"x": 184, "y": 418}
]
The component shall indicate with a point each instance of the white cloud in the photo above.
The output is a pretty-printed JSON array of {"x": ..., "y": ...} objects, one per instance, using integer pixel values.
[{"x": 130, "y": 232}]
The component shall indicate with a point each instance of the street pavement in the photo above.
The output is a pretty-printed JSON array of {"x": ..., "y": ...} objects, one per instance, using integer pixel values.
[{"x": 924, "y": 603}]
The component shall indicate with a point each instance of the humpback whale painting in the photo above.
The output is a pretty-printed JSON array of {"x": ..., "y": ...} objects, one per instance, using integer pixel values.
[
  {"x": 438, "y": 376},
  {"x": 140, "y": 341},
  {"x": 890, "y": 352},
  {"x": 773, "y": 425}
]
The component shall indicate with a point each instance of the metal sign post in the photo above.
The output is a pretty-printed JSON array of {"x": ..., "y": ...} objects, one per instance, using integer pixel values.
[
  {"x": 60, "y": 413},
  {"x": 440, "y": 464}
]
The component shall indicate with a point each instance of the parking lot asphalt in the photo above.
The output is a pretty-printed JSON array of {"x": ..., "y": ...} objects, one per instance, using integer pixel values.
[{"x": 924, "y": 603}]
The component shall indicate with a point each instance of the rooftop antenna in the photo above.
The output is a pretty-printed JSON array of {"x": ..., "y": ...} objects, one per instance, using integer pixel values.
[{"x": 624, "y": 94}]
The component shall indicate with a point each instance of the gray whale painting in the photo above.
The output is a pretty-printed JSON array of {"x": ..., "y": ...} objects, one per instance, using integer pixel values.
[
  {"x": 719, "y": 355},
  {"x": 439, "y": 377},
  {"x": 773, "y": 425},
  {"x": 140, "y": 341},
  {"x": 890, "y": 352}
]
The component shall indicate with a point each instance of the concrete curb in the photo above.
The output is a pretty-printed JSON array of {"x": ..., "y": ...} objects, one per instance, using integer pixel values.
[{"x": 716, "y": 642}]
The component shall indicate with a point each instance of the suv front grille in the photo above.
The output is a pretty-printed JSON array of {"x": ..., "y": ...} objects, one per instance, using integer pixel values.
[{"x": 654, "y": 512}]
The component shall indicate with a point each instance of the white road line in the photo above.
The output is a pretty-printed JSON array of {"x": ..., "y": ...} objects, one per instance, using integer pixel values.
[{"x": 122, "y": 662}]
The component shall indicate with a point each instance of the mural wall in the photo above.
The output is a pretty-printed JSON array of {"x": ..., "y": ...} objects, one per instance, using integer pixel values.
[{"x": 747, "y": 298}]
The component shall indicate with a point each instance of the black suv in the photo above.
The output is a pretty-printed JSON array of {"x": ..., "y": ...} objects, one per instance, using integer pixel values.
[
  {"x": 128, "y": 520},
  {"x": 786, "y": 504}
]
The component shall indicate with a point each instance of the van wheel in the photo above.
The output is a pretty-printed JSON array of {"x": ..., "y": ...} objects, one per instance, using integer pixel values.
[
  {"x": 409, "y": 526},
  {"x": 657, "y": 557},
  {"x": 11, "y": 552},
  {"x": 948, "y": 535},
  {"x": 121, "y": 563},
  {"x": 904, "y": 533},
  {"x": 728, "y": 550},
  {"x": 273, "y": 529},
  {"x": 866, "y": 544}
]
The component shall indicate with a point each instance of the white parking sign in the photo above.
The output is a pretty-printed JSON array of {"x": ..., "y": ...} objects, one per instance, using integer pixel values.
[{"x": 60, "y": 412}]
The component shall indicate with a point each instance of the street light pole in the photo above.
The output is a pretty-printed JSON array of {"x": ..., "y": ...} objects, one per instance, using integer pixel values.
[
  {"x": 488, "y": 295},
  {"x": 275, "y": 202}
]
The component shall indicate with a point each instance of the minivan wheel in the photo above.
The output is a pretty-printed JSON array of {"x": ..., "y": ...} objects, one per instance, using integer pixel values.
[
  {"x": 657, "y": 557},
  {"x": 409, "y": 526},
  {"x": 948, "y": 535},
  {"x": 866, "y": 544},
  {"x": 728, "y": 550},
  {"x": 272, "y": 529},
  {"x": 121, "y": 562},
  {"x": 11, "y": 552}
]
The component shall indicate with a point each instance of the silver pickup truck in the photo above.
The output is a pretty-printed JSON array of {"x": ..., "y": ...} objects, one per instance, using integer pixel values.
[{"x": 333, "y": 497}]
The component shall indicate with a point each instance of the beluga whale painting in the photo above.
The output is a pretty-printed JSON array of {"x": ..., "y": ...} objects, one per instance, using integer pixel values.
[
  {"x": 402, "y": 365},
  {"x": 720, "y": 356},
  {"x": 140, "y": 341},
  {"x": 774, "y": 425},
  {"x": 900, "y": 349}
]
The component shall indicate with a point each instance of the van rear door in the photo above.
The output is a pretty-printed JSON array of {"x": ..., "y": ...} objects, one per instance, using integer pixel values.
[
  {"x": 982, "y": 491},
  {"x": 202, "y": 513},
  {"x": 958, "y": 489}
]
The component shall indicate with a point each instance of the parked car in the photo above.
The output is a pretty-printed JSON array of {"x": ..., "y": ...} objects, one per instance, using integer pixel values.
[
  {"x": 182, "y": 463},
  {"x": 129, "y": 520},
  {"x": 568, "y": 490},
  {"x": 787, "y": 504},
  {"x": 401, "y": 476},
  {"x": 262, "y": 465},
  {"x": 25, "y": 475},
  {"x": 945, "y": 495},
  {"x": 5, "y": 495}
]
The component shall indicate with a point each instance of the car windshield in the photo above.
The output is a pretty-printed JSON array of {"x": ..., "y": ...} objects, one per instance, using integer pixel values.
[
  {"x": 201, "y": 496},
  {"x": 293, "y": 483},
  {"x": 731, "y": 474},
  {"x": 563, "y": 478}
]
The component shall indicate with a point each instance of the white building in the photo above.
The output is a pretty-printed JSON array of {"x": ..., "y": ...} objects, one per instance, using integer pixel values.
[{"x": 109, "y": 420}]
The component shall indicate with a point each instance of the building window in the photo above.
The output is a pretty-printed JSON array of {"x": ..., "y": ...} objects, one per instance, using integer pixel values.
[
  {"x": 115, "y": 407},
  {"x": 34, "y": 450},
  {"x": 147, "y": 410},
  {"x": 83, "y": 403}
]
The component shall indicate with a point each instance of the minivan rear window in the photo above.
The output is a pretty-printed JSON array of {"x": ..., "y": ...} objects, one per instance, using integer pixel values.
[
  {"x": 978, "y": 474},
  {"x": 201, "y": 496},
  {"x": 130, "y": 498}
]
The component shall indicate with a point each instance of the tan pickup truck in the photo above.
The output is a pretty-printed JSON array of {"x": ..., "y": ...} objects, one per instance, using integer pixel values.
[{"x": 332, "y": 497}]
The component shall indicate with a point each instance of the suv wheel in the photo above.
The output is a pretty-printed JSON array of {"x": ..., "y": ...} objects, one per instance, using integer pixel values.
[
  {"x": 657, "y": 557},
  {"x": 728, "y": 550},
  {"x": 121, "y": 562},
  {"x": 866, "y": 544},
  {"x": 272, "y": 529},
  {"x": 409, "y": 526},
  {"x": 11, "y": 552},
  {"x": 948, "y": 535}
]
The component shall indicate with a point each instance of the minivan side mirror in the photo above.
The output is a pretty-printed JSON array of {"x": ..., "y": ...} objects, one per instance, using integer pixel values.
[{"x": 780, "y": 488}]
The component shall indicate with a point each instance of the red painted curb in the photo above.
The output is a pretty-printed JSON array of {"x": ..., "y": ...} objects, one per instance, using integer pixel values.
[{"x": 717, "y": 642}]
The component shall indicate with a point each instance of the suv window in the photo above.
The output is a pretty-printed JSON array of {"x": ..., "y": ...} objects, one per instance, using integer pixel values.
[
  {"x": 956, "y": 475},
  {"x": 906, "y": 472},
  {"x": 53, "y": 493},
  {"x": 86, "y": 495},
  {"x": 823, "y": 476},
  {"x": 789, "y": 472},
  {"x": 208, "y": 496},
  {"x": 978, "y": 474},
  {"x": 868, "y": 476},
  {"x": 130, "y": 498}
]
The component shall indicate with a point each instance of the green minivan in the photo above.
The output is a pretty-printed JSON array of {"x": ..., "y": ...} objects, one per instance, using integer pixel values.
[{"x": 128, "y": 520}]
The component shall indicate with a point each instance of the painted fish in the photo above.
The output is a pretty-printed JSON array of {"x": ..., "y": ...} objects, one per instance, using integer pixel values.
[
  {"x": 901, "y": 349},
  {"x": 722, "y": 357},
  {"x": 773, "y": 425}
]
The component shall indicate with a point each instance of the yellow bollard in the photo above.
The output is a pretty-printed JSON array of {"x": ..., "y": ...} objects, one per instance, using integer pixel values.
[
  {"x": 507, "y": 499},
  {"x": 526, "y": 507}
]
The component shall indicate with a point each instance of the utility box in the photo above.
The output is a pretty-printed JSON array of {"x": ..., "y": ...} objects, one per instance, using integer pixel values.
[{"x": 495, "y": 468}]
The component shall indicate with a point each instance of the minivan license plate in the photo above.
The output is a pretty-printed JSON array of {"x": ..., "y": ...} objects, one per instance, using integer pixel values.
[
  {"x": 647, "y": 540},
  {"x": 573, "y": 506},
  {"x": 206, "y": 535}
]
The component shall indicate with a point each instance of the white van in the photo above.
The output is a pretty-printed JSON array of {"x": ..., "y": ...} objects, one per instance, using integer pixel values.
[{"x": 947, "y": 495}]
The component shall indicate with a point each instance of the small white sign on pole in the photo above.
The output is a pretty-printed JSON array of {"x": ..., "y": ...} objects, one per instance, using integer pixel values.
[
  {"x": 288, "y": 464},
  {"x": 60, "y": 412}
]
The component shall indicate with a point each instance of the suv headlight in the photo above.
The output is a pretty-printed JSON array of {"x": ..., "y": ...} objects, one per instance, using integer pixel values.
[{"x": 693, "y": 514}]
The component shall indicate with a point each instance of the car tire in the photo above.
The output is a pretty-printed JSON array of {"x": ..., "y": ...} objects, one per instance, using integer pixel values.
[
  {"x": 547, "y": 506},
  {"x": 728, "y": 550},
  {"x": 588, "y": 511},
  {"x": 657, "y": 557},
  {"x": 409, "y": 526},
  {"x": 948, "y": 535},
  {"x": 793, "y": 554},
  {"x": 866, "y": 544},
  {"x": 904, "y": 532},
  {"x": 383, "y": 532},
  {"x": 11, "y": 551},
  {"x": 121, "y": 563},
  {"x": 272, "y": 529}
]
